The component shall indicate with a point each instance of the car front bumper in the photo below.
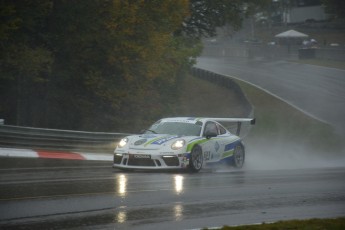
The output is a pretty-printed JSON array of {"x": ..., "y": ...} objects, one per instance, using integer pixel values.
[{"x": 150, "y": 161}]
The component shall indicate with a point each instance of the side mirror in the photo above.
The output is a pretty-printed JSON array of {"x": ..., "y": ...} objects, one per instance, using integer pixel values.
[{"x": 210, "y": 134}]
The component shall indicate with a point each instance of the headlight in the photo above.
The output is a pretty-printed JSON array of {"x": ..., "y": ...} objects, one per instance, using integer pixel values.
[
  {"x": 123, "y": 142},
  {"x": 178, "y": 144}
]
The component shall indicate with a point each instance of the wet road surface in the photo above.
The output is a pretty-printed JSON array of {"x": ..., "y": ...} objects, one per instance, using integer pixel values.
[
  {"x": 318, "y": 91},
  {"x": 60, "y": 194}
]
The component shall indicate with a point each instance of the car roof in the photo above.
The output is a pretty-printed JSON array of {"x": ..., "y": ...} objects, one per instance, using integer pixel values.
[
  {"x": 194, "y": 120},
  {"x": 191, "y": 120}
]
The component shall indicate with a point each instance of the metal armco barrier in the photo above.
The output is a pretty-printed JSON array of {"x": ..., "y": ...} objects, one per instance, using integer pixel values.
[
  {"x": 54, "y": 139},
  {"x": 95, "y": 142}
]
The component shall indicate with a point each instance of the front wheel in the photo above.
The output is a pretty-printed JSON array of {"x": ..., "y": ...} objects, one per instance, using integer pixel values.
[
  {"x": 239, "y": 156},
  {"x": 196, "y": 159}
]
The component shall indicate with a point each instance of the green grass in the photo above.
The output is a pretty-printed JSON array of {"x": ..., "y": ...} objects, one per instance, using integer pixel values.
[
  {"x": 201, "y": 98},
  {"x": 278, "y": 121},
  {"x": 312, "y": 224}
]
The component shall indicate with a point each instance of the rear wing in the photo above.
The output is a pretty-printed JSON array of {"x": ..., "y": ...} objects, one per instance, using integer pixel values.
[{"x": 238, "y": 121}]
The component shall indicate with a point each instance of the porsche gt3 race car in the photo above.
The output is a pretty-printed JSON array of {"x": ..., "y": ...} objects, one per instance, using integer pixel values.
[{"x": 182, "y": 143}]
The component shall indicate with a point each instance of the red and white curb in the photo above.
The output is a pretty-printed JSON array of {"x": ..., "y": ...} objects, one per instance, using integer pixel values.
[{"x": 30, "y": 153}]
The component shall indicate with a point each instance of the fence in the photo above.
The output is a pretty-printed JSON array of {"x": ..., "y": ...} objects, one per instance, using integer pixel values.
[
  {"x": 272, "y": 52},
  {"x": 330, "y": 54}
]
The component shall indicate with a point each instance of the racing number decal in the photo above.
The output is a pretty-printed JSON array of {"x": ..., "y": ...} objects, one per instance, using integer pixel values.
[{"x": 207, "y": 155}]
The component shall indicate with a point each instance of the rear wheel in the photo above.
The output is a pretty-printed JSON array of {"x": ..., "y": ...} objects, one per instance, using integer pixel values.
[
  {"x": 239, "y": 156},
  {"x": 196, "y": 159}
]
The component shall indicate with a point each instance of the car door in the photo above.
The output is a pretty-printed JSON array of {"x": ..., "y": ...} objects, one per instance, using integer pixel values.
[
  {"x": 211, "y": 148},
  {"x": 224, "y": 139}
]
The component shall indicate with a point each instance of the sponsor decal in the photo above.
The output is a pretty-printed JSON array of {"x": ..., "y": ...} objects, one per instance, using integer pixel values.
[
  {"x": 228, "y": 154},
  {"x": 188, "y": 120},
  {"x": 140, "y": 142},
  {"x": 216, "y": 146},
  {"x": 148, "y": 136},
  {"x": 167, "y": 153},
  {"x": 163, "y": 140},
  {"x": 140, "y": 156},
  {"x": 207, "y": 155},
  {"x": 231, "y": 146}
]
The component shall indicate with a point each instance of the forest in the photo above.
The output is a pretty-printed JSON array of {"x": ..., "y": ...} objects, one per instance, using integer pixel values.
[{"x": 102, "y": 65}]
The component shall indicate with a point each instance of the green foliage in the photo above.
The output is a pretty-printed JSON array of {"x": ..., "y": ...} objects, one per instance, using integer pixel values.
[
  {"x": 93, "y": 64},
  {"x": 99, "y": 64},
  {"x": 21, "y": 51},
  {"x": 311, "y": 224},
  {"x": 207, "y": 15},
  {"x": 25, "y": 61},
  {"x": 335, "y": 7}
]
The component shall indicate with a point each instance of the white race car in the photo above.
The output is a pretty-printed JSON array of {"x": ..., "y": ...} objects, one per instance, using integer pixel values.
[{"x": 182, "y": 143}]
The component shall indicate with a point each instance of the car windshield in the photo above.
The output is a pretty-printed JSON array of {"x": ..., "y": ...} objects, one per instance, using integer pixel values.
[{"x": 176, "y": 128}]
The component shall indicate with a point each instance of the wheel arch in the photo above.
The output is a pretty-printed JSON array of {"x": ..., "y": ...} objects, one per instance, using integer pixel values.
[{"x": 192, "y": 167}]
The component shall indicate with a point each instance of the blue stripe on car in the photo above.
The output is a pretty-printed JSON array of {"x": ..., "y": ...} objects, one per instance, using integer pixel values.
[{"x": 231, "y": 146}]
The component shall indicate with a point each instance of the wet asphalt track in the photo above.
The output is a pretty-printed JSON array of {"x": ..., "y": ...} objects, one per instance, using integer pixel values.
[
  {"x": 60, "y": 194},
  {"x": 318, "y": 91}
]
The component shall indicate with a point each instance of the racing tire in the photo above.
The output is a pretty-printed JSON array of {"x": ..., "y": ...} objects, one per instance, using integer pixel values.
[
  {"x": 196, "y": 159},
  {"x": 239, "y": 156}
]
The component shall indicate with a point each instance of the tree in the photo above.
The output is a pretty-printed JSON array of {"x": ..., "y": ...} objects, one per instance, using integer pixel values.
[
  {"x": 207, "y": 15},
  {"x": 121, "y": 59},
  {"x": 335, "y": 7},
  {"x": 99, "y": 64},
  {"x": 24, "y": 60}
]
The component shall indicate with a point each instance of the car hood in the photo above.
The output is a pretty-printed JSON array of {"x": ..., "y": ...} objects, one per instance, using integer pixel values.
[{"x": 151, "y": 141}]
